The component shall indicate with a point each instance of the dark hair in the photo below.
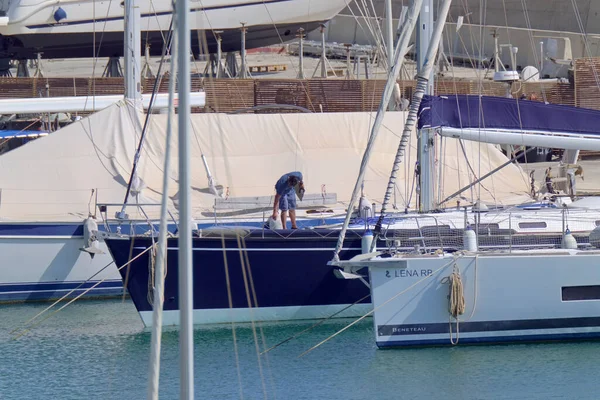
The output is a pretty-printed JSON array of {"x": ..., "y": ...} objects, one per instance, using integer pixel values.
[{"x": 293, "y": 180}]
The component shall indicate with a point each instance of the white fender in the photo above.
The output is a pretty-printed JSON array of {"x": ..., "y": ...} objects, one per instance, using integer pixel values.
[{"x": 91, "y": 245}]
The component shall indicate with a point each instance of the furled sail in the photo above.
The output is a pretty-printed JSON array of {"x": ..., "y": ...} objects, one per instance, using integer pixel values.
[{"x": 509, "y": 121}]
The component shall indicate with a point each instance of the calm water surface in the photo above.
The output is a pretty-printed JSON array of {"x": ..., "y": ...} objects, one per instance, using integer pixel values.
[{"x": 100, "y": 350}]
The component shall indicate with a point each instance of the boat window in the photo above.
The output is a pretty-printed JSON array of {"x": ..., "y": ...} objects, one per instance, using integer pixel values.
[
  {"x": 529, "y": 225},
  {"x": 598, "y": 222},
  {"x": 575, "y": 293},
  {"x": 489, "y": 226}
]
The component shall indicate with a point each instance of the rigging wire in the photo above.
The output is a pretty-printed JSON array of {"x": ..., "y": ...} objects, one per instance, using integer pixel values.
[
  {"x": 245, "y": 274},
  {"x": 165, "y": 51},
  {"x": 233, "y": 327},
  {"x": 262, "y": 334}
]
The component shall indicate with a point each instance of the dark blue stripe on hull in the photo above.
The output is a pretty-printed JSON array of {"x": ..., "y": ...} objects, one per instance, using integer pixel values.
[
  {"x": 48, "y": 291},
  {"x": 489, "y": 326},
  {"x": 296, "y": 276},
  {"x": 76, "y": 228},
  {"x": 492, "y": 340}
]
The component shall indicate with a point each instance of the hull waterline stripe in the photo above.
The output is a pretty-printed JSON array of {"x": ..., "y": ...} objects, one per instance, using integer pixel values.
[
  {"x": 489, "y": 326},
  {"x": 493, "y": 339}
]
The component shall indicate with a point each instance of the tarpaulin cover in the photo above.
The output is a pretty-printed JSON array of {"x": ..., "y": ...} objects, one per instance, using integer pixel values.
[
  {"x": 52, "y": 178},
  {"x": 464, "y": 111}
]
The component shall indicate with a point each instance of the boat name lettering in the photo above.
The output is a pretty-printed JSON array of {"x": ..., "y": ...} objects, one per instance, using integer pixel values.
[
  {"x": 402, "y": 329},
  {"x": 407, "y": 273}
]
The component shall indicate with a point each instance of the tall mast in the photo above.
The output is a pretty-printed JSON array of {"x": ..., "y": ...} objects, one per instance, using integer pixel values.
[
  {"x": 186, "y": 306},
  {"x": 423, "y": 83},
  {"x": 425, "y": 155},
  {"x": 132, "y": 53},
  {"x": 389, "y": 31},
  {"x": 400, "y": 52}
]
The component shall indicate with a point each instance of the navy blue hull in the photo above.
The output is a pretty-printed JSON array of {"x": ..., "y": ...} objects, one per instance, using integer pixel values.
[{"x": 271, "y": 272}]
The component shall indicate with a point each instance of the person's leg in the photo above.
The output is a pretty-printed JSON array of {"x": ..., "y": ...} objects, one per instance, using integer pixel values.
[
  {"x": 283, "y": 206},
  {"x": 292, "y": 208}
]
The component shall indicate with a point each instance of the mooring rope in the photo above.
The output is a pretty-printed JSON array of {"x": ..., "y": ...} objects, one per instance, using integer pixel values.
[
  {"x": 456, "y": 300},
  {"x": 151, "y": 269},
  {"x": 321, "y": 322},
  {"x": 26, "y": 329},
  {"x": 63, "y": 297}
]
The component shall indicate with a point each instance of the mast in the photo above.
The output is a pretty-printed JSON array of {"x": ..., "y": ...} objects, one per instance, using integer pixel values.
[
  {"x": 133, "y": 45},
  {"x": 389, "y": 31},
  {"x": 401, "y": 51},
  {"x": 423, "y": 86},
  {"x": 186, "y": 332},
  {"x": 425, "y": 154}
]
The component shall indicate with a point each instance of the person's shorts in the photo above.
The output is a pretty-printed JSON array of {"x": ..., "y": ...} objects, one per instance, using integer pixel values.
[{"x": 288, "y": 201}]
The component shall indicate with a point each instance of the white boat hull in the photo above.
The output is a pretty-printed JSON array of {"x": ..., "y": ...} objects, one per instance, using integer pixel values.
[
  {"x": 519, "y": 297},
  {"x": 93, "y": 28},
  {"x": 42, "y": 268}
]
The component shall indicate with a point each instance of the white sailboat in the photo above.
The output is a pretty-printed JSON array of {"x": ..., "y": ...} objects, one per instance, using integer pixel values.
[
  {"x": 86, "y": 28},
  {"x": 475, "y": 296}
]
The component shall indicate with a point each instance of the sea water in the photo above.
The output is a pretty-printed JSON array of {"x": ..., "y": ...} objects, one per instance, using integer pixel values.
[{"x": 100, "y": 350}]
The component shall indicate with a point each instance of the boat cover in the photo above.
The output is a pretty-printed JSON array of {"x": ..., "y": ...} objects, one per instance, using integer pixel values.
[
  {"x": 52, "y": 178},
  {"x": 486, "y": 112}
]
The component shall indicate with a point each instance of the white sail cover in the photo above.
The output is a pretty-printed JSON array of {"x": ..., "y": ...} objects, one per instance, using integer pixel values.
[{"x": 51, "y": 179}]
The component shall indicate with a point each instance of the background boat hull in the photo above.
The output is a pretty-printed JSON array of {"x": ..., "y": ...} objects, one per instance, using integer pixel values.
[{"x": 509, "y": 298}]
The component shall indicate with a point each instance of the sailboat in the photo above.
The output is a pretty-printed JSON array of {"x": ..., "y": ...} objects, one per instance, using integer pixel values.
[
  {"x": 286, "y": 271},
  {"x": 472, "y": 295},
  {"x": 59, "y": 195}
]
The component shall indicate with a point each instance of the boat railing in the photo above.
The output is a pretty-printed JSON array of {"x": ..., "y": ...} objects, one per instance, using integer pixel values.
[
  {"x": 513, "y": 232},
  {"x": 112, "y": 217},
  {"x": 428, "y": 233},
  {"x": 237, "y": 206}
]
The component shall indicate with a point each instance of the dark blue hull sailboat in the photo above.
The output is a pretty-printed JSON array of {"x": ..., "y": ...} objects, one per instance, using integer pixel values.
[{"x": 264, "y": 275}]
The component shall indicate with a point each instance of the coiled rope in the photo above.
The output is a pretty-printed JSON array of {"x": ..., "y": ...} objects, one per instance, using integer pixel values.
[
  {"x": 456, "y": 300},
  {"x": 151, "y": 269}
]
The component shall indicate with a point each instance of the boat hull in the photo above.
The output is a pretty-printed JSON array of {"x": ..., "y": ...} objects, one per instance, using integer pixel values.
[
  {"x": 43, "y": 263},
  {"x": 519, "y": 297},
  {"x": 91, "y": 29},
  {"x": 269, "y": 279}
]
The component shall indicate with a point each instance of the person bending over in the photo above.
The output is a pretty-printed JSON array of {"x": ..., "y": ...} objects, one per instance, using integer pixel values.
[{"x": 286, "y": 189}]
